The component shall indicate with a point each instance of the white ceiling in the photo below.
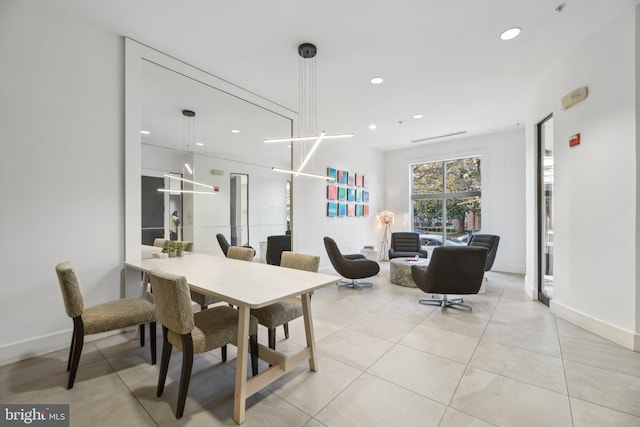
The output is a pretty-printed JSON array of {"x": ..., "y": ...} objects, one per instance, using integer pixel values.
[{"x": 439, "y": 58}]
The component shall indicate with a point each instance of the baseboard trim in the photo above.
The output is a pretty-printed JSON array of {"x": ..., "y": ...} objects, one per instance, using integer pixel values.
[
  {"x": 38, "y": 346},
  {"x": 625, "y": 338},
  {"x": 506, "y": 268}
]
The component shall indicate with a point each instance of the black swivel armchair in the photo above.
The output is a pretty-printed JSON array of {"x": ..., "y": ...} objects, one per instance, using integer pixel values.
[
  {"x": 224, "y": 244},
  {"x": 489, "y": 241},
  {"x": 406, "y": 244},
  {"x": 353, "y": 267},
  {"x": 456, "y": 270}
]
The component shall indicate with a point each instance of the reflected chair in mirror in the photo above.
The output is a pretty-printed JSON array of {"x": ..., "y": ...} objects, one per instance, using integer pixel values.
[
  {"x": 105, "y": 317},
  {"x": 453, "y": 270},
  {"x": 489, "y": 241},
  {"x": 193, "y": 333},
  {"x": 224, "y": 244},
  {"x": 282, "y": 312},
  {"x": 406, "y": 244},
  {"x": 275, "y": 246},
  {"x": 161, "y": 243},
  {"x": 353, "y": 266}
]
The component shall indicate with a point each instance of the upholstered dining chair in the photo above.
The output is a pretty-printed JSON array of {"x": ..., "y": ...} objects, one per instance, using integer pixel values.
[
  {"x": 193, "y": 333},
  {"x": 456, "y": 270},
  {"x": 406, "y": 244},
  {"x": 282, "y": 312},
  {"x": 161, "y": 243},
  {"x": 352, "y": 266},
  {"x": 240, "y": 252},
  {"x": 105, "y": 317}
]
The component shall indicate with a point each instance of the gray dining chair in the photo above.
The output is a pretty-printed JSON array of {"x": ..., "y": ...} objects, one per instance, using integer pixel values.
[
  {"x": 193, "y": 333},
  {"x": 105, "y": 317}
]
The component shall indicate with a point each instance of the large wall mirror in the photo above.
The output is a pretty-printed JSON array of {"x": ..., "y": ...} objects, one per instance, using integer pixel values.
[{"x": 221, "y": 146}]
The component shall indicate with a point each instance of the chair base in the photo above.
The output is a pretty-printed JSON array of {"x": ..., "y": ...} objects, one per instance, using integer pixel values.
[
  {"x": 354, "y": 284},
  {"x": 445, "y": 302}
]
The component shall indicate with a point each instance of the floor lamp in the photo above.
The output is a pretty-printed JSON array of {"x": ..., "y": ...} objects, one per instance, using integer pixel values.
[{"x": 386, "y": 219}]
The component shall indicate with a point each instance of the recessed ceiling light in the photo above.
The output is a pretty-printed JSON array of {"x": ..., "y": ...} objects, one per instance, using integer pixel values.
[
  {"x": 145, "y": 132},
  {"x": 372, "y": 126},
  {"x": 199, "y": 144},
  {"x": 511, "y": 33},
  {"x": 376, "y": 80},
  {"x": 418, "y": 116},
  {"x": 235, "y": 131}
]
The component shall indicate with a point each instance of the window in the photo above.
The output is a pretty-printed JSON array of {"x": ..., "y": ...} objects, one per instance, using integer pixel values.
[{"x": 445, "y": 199}]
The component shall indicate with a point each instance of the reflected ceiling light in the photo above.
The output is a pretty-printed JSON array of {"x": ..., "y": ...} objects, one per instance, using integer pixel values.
[
  {"x": 145, "y": 132},
  {"x": 308, "y": 108},
  {"x": 372, "y": 126},
  {"x": 418, "y": 116},
  {"x": 186, "y": 165},
  {"x": 312, "y": 175},
  {"x": 376, "y": 80},
  {"x": 235, "y": 131},
  {"x": 199, "y": 144},
  {"x": 511, "y": 33},
  {"x": 168, "y": 190}
]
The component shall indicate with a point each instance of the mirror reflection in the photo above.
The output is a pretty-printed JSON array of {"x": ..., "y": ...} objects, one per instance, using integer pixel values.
[{"x": 221, "y": 147}]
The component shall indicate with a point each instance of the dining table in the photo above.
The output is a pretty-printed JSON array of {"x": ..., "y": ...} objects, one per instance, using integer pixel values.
[{"x": 247, "y": 285}]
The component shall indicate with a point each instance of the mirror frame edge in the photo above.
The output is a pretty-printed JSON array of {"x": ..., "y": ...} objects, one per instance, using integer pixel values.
[{"x": 136, "y": 52}]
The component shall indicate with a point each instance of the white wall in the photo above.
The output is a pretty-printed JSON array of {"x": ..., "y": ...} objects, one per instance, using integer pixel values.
[
  {"x": 595, "y": 242},
  {"x": 310, "y": 221},
  {"x": 503, "y": 202},
  {"x": 61, "y": 171}
]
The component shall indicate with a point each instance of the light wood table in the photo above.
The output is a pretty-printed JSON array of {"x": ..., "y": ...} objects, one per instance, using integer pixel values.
[{"x": 248, "y": 285}]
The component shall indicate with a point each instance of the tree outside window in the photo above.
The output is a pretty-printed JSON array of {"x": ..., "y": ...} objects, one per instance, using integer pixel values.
[{"x": 446, "y": 197}]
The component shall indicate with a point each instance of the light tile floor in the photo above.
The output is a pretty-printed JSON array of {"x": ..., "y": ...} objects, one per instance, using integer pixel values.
[{"x": 384, "y": 360}]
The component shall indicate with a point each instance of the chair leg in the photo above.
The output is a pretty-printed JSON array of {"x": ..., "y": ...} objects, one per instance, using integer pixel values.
[
  {"x": 271, "y": 338},
  {"x": 73, "y": 343},
  {"x": 445, "y": 302},
  {"x": 185, "y": 376},
  {"x": 78, "y": 342},
  {"x": 203, "y": 307},
  {"x": 354, "y": 284},
  {"x": 253, "y": 348},
  {"x": 164, "y": 361},
  {"x": 286, "y": 330},
  {"x": 141, "y": 333},
  {"x": 152, "y": 333},
  {"x": 223, "y": 350}
]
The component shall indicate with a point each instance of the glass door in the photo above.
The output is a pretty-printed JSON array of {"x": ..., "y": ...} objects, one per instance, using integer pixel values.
[{"x": 545, "y": 210}]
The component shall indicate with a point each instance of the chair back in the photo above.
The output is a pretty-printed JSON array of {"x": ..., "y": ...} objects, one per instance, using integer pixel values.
[
  {"x": 452, "y": 270},
  {"x": 224, "y": 243},
  {"x": 300, "y": 261},
  {"x": 335, "y": 256},
  {"x": 275, "y": 246},
  {"x": 173, "y": 301},
  {"x": 160, "y": 243},
  {"x": 70, "y": 287},
  {"x": 187, "y": 246},
  {"x": 489, "y": 241},
  {"x": 241, "y": 253},
  {"x": 405, "y": 241}
]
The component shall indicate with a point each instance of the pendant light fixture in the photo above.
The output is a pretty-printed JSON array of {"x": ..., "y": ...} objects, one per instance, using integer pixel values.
[
  {"x": 188, "y": 145},
  {"x": 308, "y": 117}
]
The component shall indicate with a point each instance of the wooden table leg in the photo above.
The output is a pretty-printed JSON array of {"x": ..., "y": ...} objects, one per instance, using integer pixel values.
[
  {"x": 308, "y": 328},
  {"x": 240, "y": 396}
]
